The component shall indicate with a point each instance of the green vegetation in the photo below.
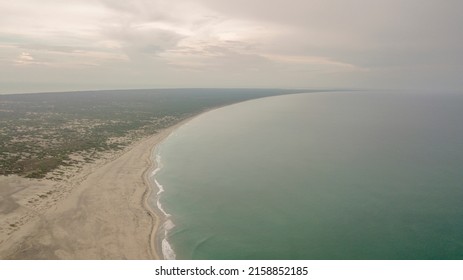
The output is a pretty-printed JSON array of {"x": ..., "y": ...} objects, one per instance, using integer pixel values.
[{"x": 39, "y": 132}]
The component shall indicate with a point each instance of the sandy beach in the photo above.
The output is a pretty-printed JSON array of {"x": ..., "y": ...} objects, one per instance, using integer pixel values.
[{"x": 99, "y": 213}]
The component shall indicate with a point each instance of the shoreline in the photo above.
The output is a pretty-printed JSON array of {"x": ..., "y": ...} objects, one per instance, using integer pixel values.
[
  {"x": 102, "y": 211},
  {"x": 158, "y": 218},
  {"x": 74, "y": 225}
]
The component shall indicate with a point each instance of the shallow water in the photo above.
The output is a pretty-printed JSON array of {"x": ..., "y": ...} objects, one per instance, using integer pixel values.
[{"x": 351, "y": 175}]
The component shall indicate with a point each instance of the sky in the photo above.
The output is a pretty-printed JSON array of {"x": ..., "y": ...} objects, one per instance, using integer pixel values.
[{"x": 56, "y": 45}]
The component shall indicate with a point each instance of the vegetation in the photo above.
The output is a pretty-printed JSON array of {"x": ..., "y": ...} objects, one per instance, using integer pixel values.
[{"x": 40, "y": 132}]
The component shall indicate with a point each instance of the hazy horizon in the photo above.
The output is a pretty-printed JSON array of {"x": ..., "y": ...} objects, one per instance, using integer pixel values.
[
  {"x": 168, "y": 89},
  {"x": 52, "y": 45}
]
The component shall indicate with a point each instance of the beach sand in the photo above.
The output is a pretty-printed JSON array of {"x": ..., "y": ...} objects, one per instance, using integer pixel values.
[{"x": 99, "y": 213}]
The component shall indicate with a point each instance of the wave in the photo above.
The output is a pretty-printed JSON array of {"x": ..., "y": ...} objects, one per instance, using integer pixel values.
[
  {"x": 160, "y": 187},
  {"x": 158, "y": 165},
  {"x": 158, "y": 201},
  {"x": 166, "y": 249}
]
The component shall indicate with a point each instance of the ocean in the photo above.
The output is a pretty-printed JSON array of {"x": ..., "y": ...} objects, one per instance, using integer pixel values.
[{"x": 332, "y": 175}]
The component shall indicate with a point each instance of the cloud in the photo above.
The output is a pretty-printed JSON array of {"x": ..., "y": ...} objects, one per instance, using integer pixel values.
[
  {"x": 25, "y": 58},
  {"x": 142, "y": 41},
  {"x": 181, "y": 43}
]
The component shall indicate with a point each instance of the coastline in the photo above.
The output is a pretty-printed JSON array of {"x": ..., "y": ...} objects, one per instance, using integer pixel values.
[
  {"x": 102, "y": 212},
  {"x": 157, "y": 215},
  {"x": 158, "y": 218},
  {"x": 99, "y": 212}
]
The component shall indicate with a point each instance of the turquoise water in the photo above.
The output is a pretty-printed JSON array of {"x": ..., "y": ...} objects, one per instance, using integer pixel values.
[{"x": 351, "y": 175}]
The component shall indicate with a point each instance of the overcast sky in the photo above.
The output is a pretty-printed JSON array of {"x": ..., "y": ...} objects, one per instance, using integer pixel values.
[{"x": 50, "y": 45}]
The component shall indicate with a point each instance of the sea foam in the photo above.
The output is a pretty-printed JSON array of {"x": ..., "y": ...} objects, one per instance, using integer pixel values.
[
  {"x": 158, "y": 202},
  {"x": 167, "y": 251}
]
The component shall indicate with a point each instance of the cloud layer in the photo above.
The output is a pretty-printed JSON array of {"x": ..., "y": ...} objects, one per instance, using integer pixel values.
[{"x": 100, "y": 44}]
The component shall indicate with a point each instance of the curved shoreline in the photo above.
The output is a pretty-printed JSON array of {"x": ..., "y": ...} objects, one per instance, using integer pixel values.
[
  {"x": 157, "y": 217},
  {"x": 151, "y": 212},
  {"x": 101, "y": 212},
  {"x": 105, "y": 215}
]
